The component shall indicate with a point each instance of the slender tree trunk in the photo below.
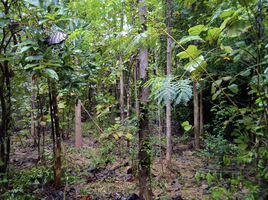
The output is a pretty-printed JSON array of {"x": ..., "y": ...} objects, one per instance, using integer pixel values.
[
  {"x": 128, "y": 97},
  {"x": 78, "y": 130},
  {"x": 201, "y": 114},
  {"x": 144, "y": 156},
  {"x": 136, "y": 90},
  {"x": 168, "y": 106},
  {"x": 58, "y": 139},
  {"x": 121, "y": 92},
  {"x": 196, "y": 118}
]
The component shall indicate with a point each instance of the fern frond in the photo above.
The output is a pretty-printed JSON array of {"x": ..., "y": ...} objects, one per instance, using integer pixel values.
[{"x": 164, "y": 88}]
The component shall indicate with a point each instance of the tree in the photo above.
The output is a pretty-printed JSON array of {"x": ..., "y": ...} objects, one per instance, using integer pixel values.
[
  {"x": 144, "y": 155},
  {"x": 168, "y": 106}
]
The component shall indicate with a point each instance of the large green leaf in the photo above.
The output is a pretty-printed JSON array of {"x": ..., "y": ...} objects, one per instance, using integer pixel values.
[
  {"x": 51, "y": 73},
  {"x": 189, "y": 38},
  {"x": 31, "y": 65},
  {"x": 196, "y": 30},
  {"x": 226, "y": 13},
  {"x": 213, "y": 35},
  {"x": 192, "y": 50},
  {"x": 236, "y": 28},
  {"x": 36, "y": 57},
  {"x": 233, "y": 88}
]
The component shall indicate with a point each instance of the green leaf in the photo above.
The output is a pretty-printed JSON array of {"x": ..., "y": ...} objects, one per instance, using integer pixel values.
[
  {"x": 203, "y": 175},
  {"x": 213, "y": 85},
  {"x": 215, "y": 176},
  {"x": 1, "y": 162},
  {"x": 216, "y": 95},
  {"x": 186, "y": 123},
  {"x": 31, "y": 65},
  {"x": 246, "y": 73},
  {"x": 36, "y": 57},
  {"x": 192, "y": 50},
  {"x": 25, "y": 48},
  {"x": 197, "y": 177},
  {"x": 209, "y": 178},
  {"x": 196, "y": 30},
  {"x": 188, "y": 127},
  {"x": 7, "y": 59},
  {"x": 226, "y": 13},
  {"x": 213, "y": 35},
  {"x": 228, "y": 49},
  {"x": 233, "y": 88},
  {"x": 236, "y": 28},
  {"x": 188, "y": 3},
  {"x": 189, "y": 38},
  {"x": 242, "y": 146},
  {"x": 129, "y": 136},
  {"x": 246, "y": 3},
  {"x": 42, "y": 21},
  {"x": 227, "y": 78},
  {"x": 192, "y": 65},
  {"x": 51, "y": 73},
  {"x": 27, "y": 42}
]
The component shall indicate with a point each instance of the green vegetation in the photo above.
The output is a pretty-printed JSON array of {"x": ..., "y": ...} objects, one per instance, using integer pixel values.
[{"x": 112, "y": 56}]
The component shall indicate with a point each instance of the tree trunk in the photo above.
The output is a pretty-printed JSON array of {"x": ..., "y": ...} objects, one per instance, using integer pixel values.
[
  {"x": 168, "y": 106},
  {"x": 136, "y": 91},
  {"x": 121, "y": 92},
  {"x": 78, "y": 130},
  {"x": 196, "y": 118},
  {"x": 144, "y": 156}
]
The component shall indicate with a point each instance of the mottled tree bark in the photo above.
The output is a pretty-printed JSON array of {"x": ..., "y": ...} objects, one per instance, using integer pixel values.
[
  {"x": 78, "y": 129},
  {"x": 168, "y": 106},
  {"x": 145, "y": 192}
]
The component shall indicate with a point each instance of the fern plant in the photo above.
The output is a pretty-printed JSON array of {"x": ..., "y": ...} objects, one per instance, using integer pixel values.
[{"x": 164, "y": 88}]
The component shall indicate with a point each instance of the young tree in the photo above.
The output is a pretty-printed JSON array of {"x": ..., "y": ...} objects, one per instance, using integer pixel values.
[
  {"x": 144, "y": 155},
  {"x": 168, "y": 106}
]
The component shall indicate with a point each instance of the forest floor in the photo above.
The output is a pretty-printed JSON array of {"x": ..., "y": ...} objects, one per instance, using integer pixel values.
[{"x": 98, "y": 172}]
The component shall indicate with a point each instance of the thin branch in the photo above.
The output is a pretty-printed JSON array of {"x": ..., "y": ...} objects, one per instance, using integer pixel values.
[{"x": 92, "y": 118}]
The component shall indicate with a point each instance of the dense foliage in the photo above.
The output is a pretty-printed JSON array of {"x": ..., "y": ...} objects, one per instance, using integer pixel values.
[{"x": 218, "y": 46}]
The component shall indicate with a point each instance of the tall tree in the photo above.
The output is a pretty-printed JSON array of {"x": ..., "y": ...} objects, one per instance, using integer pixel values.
[
  {"x": 168, "y": 106},
  {"x": 144, "y": 155}
]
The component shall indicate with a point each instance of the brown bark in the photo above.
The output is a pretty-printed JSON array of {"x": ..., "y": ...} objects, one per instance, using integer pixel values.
[
  {"x": 57, "y": 162},
  {"x": 78, "y": 130},
  {"x": 168, "y": 106},
  {"x": 136, "y": 90},
  {"x": 196, "y": 118},
  {"x": 145, "y": 190},
  {"x": 121, "y": 92}
]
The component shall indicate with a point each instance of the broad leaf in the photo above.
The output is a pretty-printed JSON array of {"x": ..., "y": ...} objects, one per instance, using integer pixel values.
[
  {"x": 36, "y": 57},
  {"x": 189, "y": 38},
  {"x": 196, "y": 30},
  {"x": 233, "y": 88},
  {"x": 51, "y": 73},
  {"x": 192, "y": 50},
  {"x": 226, "y": 13}
]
